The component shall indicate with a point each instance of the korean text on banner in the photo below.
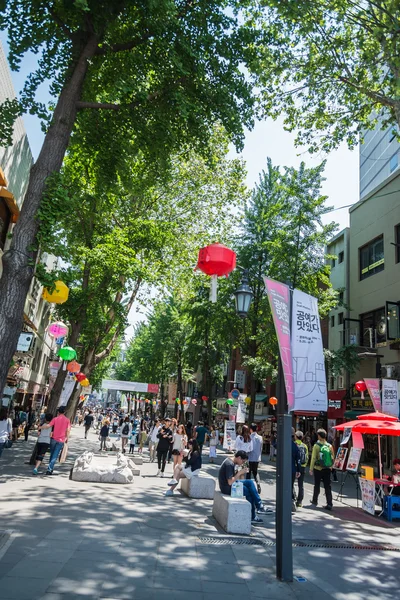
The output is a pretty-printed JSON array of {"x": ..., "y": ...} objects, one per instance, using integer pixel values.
[
  {"x": 278, "y": 295},
  {"x": 229, "y": 435},
  {"x": 308, "y": 356},
  {"x": 374, "y": 393},
  {"x": 390, "y": 400}
]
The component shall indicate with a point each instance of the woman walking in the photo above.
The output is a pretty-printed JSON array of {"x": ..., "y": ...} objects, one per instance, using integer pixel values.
[
  {"x": 213, "y": 444},
  {"x": 179, "y": 445},
  {"x": 142, "y": 435},
  {"x": 191, "y": 469},
  {"x": 244, "y": 441},
  {"x": 104, "y": 432}
]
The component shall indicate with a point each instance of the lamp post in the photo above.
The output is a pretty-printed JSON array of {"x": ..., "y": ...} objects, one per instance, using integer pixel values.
[{"x": 243, "y": 296}]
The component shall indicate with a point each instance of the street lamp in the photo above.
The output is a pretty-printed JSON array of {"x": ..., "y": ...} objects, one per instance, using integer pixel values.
[{"x": 243, "y": 296}]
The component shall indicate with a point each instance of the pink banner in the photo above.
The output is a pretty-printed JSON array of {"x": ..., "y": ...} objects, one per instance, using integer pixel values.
[
  {"x": 153, "y": 388},
  {"x": 357, "y": 438},
  {"x": 278, "y": 295},
  {"x": 374, "y": 393}
]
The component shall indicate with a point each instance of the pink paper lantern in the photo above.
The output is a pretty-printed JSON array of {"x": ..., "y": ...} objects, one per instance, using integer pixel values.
[{"x": 58, "y": 329}]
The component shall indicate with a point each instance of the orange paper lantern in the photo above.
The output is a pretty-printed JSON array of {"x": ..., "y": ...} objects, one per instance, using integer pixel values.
[{"x": 273, "y": 401}]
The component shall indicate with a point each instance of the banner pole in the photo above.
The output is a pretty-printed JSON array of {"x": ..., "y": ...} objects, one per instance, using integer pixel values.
[{"x": 283, "y": 524}]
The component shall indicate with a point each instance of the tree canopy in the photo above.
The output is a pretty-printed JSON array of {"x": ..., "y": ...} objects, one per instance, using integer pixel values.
[{"x": 330, "y": 67}]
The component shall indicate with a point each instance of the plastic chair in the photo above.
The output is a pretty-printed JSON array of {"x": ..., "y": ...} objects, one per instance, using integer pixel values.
[{"x": 391, "y": 507}]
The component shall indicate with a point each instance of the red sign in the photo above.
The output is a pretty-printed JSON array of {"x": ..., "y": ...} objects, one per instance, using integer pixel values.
[{"x": 153, "y": 388}]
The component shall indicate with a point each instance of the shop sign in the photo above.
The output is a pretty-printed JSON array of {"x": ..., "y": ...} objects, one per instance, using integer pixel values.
[
  {"x": 25, "y": 342},
  {"x": 335, "y": 404},
  {"x": 374, "y": 392},
  {"x": 390, "y": 400}
]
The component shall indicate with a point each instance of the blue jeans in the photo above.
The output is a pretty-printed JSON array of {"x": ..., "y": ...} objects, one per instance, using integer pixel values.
[
  {"x": 55, "y": 449},
  {"x": 251, "y": 494},
  {"x": 2, "y": 444}
]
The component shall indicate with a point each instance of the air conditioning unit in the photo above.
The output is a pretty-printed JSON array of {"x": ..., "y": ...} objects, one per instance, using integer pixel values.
[
  {"x": 340, "y": 381},
  {"x": 390, "y": 371}
]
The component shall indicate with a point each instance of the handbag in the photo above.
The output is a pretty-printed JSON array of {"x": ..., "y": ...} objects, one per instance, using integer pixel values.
[{"x": 64, "y": 453}]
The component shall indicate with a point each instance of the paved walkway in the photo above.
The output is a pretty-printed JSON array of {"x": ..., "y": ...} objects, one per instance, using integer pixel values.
[{"x": 61, "y": 539}]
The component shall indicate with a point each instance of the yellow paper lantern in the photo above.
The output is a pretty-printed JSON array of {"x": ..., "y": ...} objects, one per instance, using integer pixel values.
[
  {"x": 248, "y": 400},
  {"x": 84, "y": 383},
  {"x": 59, "y": 295}
]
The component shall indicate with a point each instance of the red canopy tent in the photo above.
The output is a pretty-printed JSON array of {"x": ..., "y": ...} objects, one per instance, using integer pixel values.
[
  {"x": 377, "y": 415},
  {"x": 384, "y": 425}
]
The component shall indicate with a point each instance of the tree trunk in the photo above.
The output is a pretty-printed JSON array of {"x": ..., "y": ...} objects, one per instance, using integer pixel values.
[
  {"x": 19, "y": 260},
  {"x": 253, "y": 397}
]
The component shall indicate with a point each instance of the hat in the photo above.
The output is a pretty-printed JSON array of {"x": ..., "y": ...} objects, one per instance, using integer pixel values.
[
  {"x": 293, "y": 431},
  {"x": 299, "y": 434}
]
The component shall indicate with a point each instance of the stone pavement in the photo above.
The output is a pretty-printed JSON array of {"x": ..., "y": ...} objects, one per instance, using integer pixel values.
[{"x": 63, "y": 540}]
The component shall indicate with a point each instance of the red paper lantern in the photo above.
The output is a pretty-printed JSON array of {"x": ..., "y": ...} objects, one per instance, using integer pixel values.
[
  {"x": 216, "y": 259},
  {"x": 273, "y": 401},
  {"x": 80, "y": 376},
  {"x": 205, "y": 398},
  {"x": 73, "y": 367},
  {"x": 361, "y": 387}
]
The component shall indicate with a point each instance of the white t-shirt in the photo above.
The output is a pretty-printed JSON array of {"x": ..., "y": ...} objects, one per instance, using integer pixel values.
[
  {"x": 5, "y": 430},
  {"x": 179, "y": 441},
  {"x": 154, "y": 433},
  {"x": 242, "y": 445}
]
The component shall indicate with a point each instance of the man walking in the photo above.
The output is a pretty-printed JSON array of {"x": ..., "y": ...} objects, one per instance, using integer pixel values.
[
  {"x": 61, "y": 430},
  {"x": 321, "y": 466},
  {"x": 200, "y": 435},
  {"x": 88, "y": 421},
  {"x": 153, "y": 441},
  {"x": 295, "y": 468},
  {"x": 255, "y": 456},
  {"x": 226, "y": 477},
  {"x": 303, "y": 452}
]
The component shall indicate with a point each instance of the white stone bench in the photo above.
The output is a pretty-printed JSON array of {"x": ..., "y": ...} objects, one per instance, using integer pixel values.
[
  {"x": 233, "y": 514},
  {"x": 200, "y": 486}
]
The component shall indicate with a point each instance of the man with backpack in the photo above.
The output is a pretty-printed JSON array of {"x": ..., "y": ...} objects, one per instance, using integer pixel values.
[
  {"x": 303, "y": 453},
  {"x": 321, "y": 466}
]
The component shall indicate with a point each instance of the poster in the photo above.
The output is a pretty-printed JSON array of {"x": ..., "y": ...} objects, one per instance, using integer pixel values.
[
  {"x": 340, "y": 459},
  {"x": 279, "y": 299},
  {"x": 354, "y": 460},
  {"x": 229, "y": 435},
  {"x": 241, "y": 409},
  {"x": 367, "y": 495},
  {"x": 67, "y": 390},
  {"x": 374, "y": 393},
  {"x": 390, "y": 400},
  {"x": 346, "y": 435},
  {"x": 308, "y": 356}
]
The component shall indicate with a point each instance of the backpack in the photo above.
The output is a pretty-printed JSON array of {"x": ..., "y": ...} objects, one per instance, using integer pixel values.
[
  {"x": 302, "y": 453},
  {"x": 125, "y": 429},
  {"x": 325, "y": 457}
]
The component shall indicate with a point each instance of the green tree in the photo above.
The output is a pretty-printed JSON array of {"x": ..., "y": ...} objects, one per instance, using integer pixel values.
[
  {"x": 162, "y": 73},
  {"x": 332, "y": 68},
  {"x": 282, "y": 237}
]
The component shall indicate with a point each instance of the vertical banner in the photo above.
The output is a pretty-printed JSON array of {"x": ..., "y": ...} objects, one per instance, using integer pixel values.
[
  {"x": 241, "y": 409},
  {"x": 390, "y": 400},
  {"x": 229, "y": 435},
  {"x": 279, "y": 299},
  {"x": 308, "y": 356},
  {"x": 374, "y": 393},
  {"x": 67, "y": 390}
]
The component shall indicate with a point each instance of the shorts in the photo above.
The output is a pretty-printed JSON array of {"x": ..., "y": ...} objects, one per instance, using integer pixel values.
[
  {"x": 187, "y": 471},
  {"x": 175, "y": 452},
  {"x": 42, "y": 448}
]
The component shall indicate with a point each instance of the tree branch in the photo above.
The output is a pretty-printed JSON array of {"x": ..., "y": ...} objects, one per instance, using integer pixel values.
[
  {"x": 98, "y": 105},
  {"x": 124, "y": 45},
  {"x": 69, "y": 34}
]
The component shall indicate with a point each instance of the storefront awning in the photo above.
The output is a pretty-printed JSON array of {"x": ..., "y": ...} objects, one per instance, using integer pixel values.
[
  {"x": 261, "y": 397},
  {"x": 11, "y": 203}
]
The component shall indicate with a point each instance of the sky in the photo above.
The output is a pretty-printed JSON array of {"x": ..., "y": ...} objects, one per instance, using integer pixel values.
[{"x": 267, "y": 139}]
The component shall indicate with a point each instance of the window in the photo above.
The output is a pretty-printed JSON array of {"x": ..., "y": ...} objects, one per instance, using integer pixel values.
[
  {"x": 333, "y": 321},
  {"x": 372, "y": 258},
  {"x": 333, "y": 263},
  {"x": 332, "y": 383},
  {"x": 373, "y": 328},
  {"x": 397, "y": 242},
  {"x": 341, "y": 297},
  {"x": 340, "y": 318},
  {"x": 341, "y": 257},
  {"x": 394, "y": 162}
]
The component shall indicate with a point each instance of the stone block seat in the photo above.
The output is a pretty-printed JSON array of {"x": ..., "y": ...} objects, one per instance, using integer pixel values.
[
  {"x": 200, "y": 486},
  {"x": 233, "y": 514}
]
